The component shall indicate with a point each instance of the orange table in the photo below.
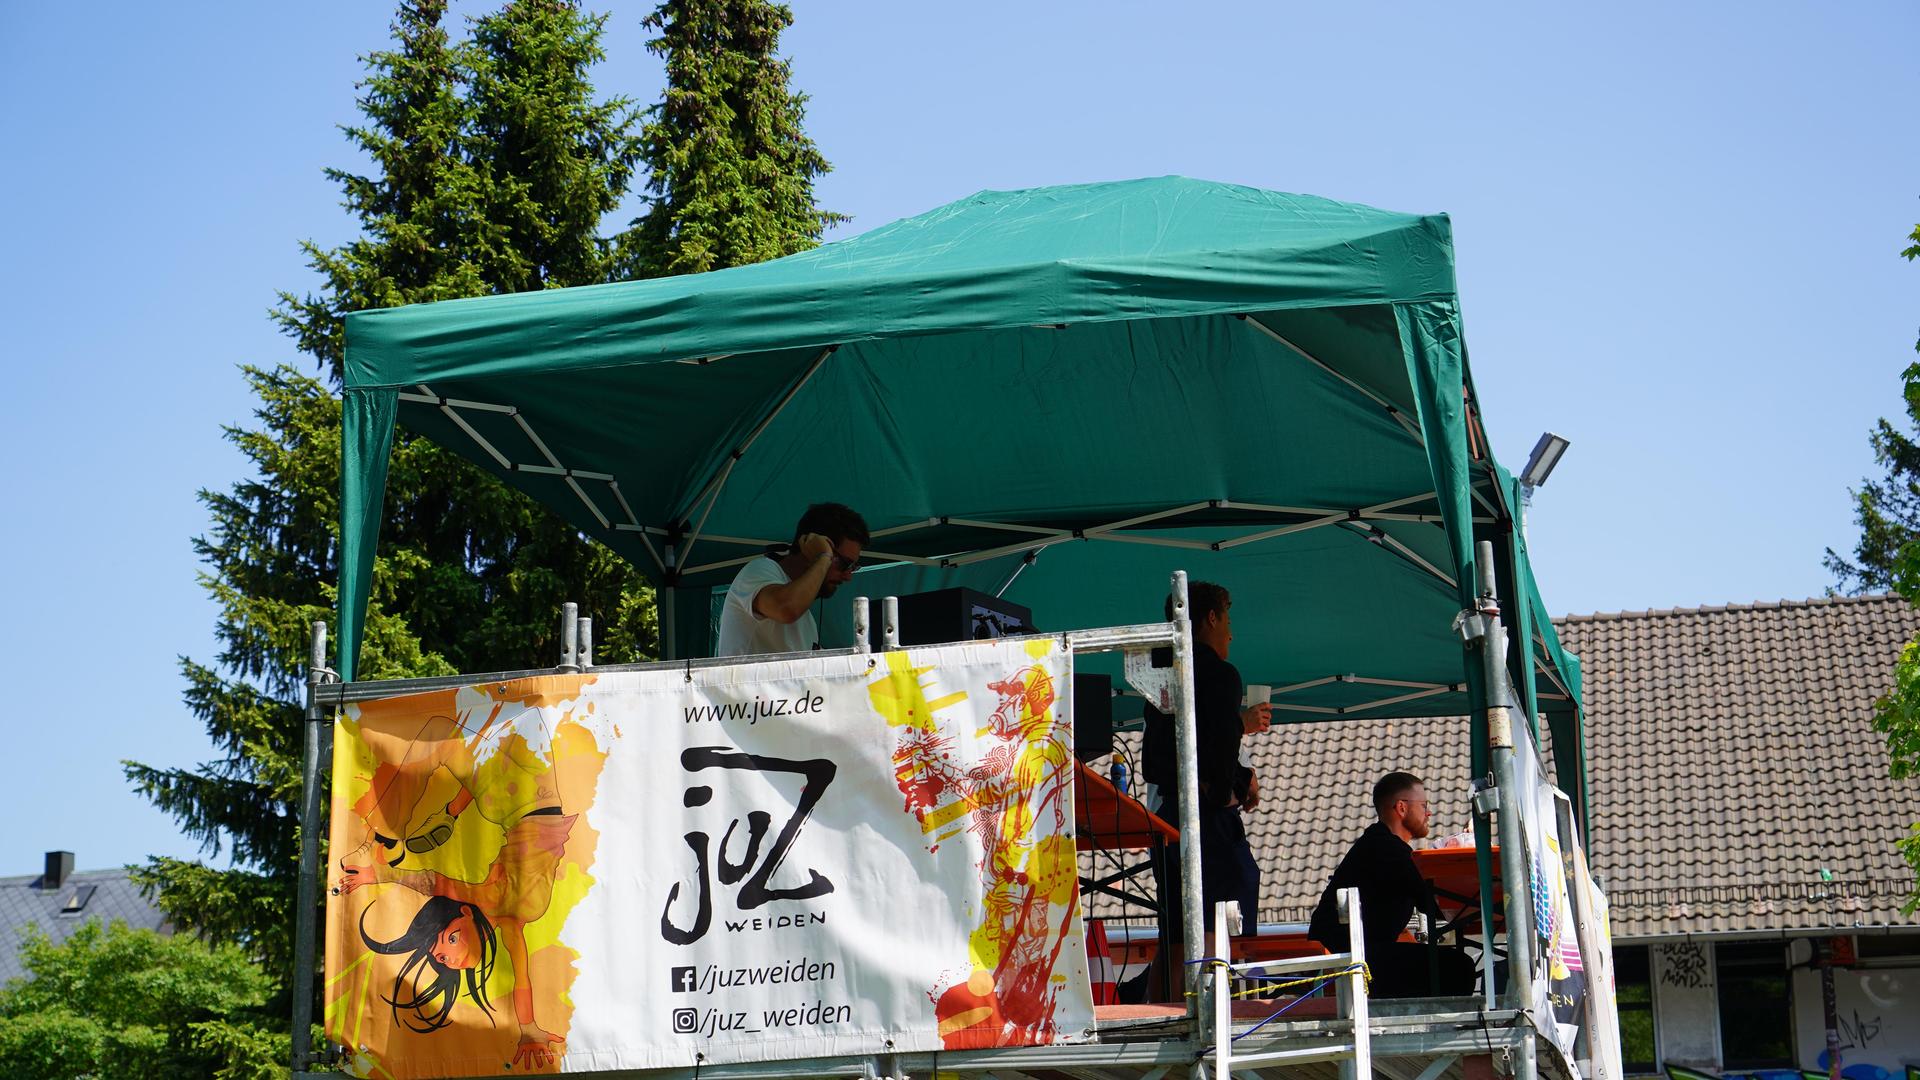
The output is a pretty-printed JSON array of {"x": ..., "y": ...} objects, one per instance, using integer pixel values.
[
  {"x": 1105, "y": 820},
  {"x": 1455, "y": 874},
  {"x": 1275, "y": 947},
  {"x": 1249, "y": 948}
]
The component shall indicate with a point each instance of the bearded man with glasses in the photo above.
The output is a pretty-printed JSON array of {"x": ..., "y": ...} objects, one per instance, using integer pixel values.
[
  {"x": 769, "y": 605},
  {"x": 1380, "y": 864}
]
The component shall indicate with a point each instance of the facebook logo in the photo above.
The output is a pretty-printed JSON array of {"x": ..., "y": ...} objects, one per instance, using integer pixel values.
[{"x": 685, "y": 980}]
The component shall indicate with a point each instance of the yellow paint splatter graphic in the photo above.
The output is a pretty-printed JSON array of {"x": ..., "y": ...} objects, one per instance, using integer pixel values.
[{"x": 1009, "y": 785}]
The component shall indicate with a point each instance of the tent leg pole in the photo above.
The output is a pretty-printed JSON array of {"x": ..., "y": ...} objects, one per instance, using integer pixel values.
[
  {"x": 308, "y": 895},
  {"x": 669, "y": 628}
]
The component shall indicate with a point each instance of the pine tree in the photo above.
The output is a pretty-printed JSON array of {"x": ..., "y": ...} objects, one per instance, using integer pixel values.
[
  {"x": 493, "y": 164},
  {"x": 526, "y": 93},
  {"x": 732, "y": 170},
  {"x": 1888, "y": 509}
]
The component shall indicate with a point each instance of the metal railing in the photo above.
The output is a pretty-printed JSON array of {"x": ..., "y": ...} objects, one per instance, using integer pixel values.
[
  {"x": 1171, "y": 686},
  {"x": 1346, "y": 971}
]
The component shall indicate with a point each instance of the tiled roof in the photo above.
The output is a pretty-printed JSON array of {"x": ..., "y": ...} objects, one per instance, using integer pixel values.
[
  {"x": 1732, "y": 759},
  {"x": 23, "y": 903},
  {"x": 1316, "y": 796}
]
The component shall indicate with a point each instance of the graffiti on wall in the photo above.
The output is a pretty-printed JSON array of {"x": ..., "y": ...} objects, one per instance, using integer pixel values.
[{"x": 1684, "y": 965}]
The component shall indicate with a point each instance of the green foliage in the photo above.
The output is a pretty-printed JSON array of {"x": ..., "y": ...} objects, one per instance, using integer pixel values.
[
  {"x": 121, "y": 1002},
  {"x": 732, "y": 170},
  {"x": 1889, "y": 558},
  {"x": 1909, "y": 848},
  {"x": 1897, "y": 716},
  {"x": 494, "y": 162}
]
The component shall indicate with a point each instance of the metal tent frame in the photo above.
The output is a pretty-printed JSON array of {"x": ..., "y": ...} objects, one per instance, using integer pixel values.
[
  {"x": 671, "y": 548},
  {"x": 1346, "y": 314}
]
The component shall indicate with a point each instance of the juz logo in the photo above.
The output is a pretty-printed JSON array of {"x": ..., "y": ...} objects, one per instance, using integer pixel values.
[{"x": 754, "y": 890}]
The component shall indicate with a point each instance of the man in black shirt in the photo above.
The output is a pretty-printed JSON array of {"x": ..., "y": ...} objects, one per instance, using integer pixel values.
[
  {"x": 1380, "y": 865},
  {"x": 1228, "y": 871}
]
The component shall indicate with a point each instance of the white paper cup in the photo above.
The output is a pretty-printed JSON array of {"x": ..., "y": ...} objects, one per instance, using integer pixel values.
[{"x": 1257, "y": 694}]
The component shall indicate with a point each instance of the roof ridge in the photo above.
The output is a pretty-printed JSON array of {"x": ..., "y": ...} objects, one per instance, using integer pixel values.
[
  {"x": 12, "y": 881},
  {"x": 1716, "y": 609}
]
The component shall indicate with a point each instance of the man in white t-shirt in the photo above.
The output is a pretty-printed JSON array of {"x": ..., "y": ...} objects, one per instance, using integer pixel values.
[{"x": 769, "y": 605}]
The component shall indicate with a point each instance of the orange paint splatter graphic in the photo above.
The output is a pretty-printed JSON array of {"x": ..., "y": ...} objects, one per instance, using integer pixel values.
[
  {"x": 1008, "y": 788},
  {"x": 459, "y": 849}
]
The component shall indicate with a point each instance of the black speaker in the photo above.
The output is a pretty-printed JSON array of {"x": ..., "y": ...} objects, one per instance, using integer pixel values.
[
  {"x": 935, "y": 618},
  {"x": 1092, "y": 716}
]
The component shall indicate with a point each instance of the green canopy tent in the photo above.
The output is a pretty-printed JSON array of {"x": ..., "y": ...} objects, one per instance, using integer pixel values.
[{"x": 1268, "y": 390}]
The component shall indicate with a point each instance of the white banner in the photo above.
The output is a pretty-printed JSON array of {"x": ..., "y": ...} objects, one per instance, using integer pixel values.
[
  {"x": 1596, "y": 944},
  {"x": 842, "y": 855},
  {"x": 1559, "y": 979}
]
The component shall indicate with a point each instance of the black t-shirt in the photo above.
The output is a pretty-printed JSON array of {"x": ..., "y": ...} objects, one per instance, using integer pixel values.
[
  {"x": 1216, "y": 703},
  {"x": 1380, "y": 865}
]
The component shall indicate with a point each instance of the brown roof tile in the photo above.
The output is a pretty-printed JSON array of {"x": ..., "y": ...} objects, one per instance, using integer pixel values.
[{"x": 1732, "y": 759}]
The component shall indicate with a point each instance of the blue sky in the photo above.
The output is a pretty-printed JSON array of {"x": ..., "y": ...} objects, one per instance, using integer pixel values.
[{"x": 1677, "y": 231}]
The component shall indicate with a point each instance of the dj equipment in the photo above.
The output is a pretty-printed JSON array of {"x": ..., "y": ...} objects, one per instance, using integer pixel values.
[
  {"x": 1092, "y": 716},
  {"x": 958, "y": 614},
  {"x": 933, "y": 618}
]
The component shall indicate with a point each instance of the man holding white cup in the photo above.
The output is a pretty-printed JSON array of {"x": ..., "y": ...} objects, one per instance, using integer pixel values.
[
  {"x": 1256, "y": 714},
  {"x": 1228, "y": 785}
]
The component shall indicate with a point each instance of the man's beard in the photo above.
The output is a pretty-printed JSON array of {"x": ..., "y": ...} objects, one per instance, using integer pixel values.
[{"x": 828, "y": 588}]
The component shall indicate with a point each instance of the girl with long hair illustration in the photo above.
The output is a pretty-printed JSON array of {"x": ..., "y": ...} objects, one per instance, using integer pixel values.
[{"x": 456, "y": 935}]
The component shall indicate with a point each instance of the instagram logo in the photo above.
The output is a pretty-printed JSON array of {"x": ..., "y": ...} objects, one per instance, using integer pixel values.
[{"x": 686, "y": 1021}]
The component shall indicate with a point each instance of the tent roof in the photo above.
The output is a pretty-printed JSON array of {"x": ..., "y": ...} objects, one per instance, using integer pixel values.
[
  {"x": 994, "y": 260},
  {"x": 1267, "y": 390}
]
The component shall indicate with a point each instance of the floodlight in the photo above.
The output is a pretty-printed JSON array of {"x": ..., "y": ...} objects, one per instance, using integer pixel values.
[{"x": 1540, "y": 463}]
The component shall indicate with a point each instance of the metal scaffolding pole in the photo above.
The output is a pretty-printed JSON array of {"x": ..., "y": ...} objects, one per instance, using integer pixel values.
[
  {"x": 1513, "y": 863},
  {"x": 309, "y": 888},
  {"x": 1186, "y": 743},
  {"x": 569, "y": 637}
]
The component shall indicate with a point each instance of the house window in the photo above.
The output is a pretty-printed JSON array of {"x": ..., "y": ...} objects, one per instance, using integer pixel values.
[
  {"x": 1756, "y": 1005},
  {"x": 1633, "y": 996}
]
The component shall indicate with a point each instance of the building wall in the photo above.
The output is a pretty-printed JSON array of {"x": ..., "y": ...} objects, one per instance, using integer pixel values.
[
  {"x": 1878, "y": 1010},
  {"x": 1685, "y": 1006}
]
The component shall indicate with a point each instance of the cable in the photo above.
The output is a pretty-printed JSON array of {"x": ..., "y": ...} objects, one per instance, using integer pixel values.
[{"x": 1279, "y": 1013}]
